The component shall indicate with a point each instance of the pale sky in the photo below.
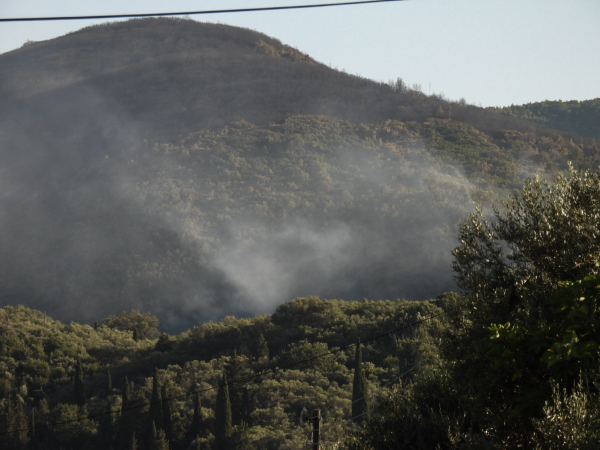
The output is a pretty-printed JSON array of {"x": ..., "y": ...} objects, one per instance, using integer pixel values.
[{"x": 490, "y": 52}]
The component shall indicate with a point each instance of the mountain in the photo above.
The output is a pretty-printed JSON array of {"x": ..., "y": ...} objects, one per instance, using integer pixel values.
[
  {"x": 198, "y": 170},
  {"x": 582, "y": 118}
]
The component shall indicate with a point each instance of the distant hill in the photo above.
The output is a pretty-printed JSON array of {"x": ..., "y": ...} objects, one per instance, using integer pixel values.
[
  {"x": 198, "y": 170},
  {"x": 582, "y": 118}
]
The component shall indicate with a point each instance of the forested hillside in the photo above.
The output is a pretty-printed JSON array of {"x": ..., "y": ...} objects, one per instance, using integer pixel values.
[
  {"x": 40, "y": 359},
  {"x": 239, "y": 219},
  {"x": 582, "y": 118}
]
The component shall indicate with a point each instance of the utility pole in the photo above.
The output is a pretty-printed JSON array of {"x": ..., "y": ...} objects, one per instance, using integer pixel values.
[{"x": 316, "y": 434}]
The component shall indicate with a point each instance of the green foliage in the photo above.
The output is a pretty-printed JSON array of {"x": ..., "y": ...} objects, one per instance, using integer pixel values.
[
  {"x": 570, "y": 420},
  {"x": 142, "y": 325},
  {"x": 79, "y": 388},
  {"x": 581, "y": 118},
  {"x": 156, "y": 410},
  {"x": 313, "y": 355},
  {"x": 529, "y": 271},
  {"x": 360, "y": 392},
  {"x": 261, "y": 347},
  {"x": 271, "y": 405},
  {"x": 223, "y": 422}
]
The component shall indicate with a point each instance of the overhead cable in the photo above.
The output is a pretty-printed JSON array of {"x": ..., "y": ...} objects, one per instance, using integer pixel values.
[{"x": 191, "y": 13}]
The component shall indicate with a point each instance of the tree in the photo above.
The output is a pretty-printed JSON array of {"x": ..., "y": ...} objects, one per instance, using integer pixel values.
[
  {"x": 145, "y": 324},
  {"x": 156, "y": 411},
  {"x": 241, "y": 439},
  {"x": 360, "y": 404},
  {"x": 18, "y": 427},
  {"x": 133, "y": 443},
  {"x": 126, "y": 395},
  {"x": 78, "y": 385},
  {"x": 223, "y": 425},
  {"x": 167, "y": 411},
  {"x": 261, "y": 347},
  {"x": 513, "y": 270},
  {"x": 126, "y": 422},
  {"x": 196, "y": 425},
  {"x": 158, "y": 439}
]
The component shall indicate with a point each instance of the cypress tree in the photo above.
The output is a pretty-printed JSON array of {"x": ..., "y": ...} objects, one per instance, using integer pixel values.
[
  {"x": 32, "y": 433},
  {"x": 223, "y": 426},
  {"x": 136, "y": 338},
  {"x": 79, "y": 388},
  {"x": 95, "y": 325},
  {"x": 360, "y": 405},
  {"x": 167, "y": 413},
  {"x": 196, "y": 427},
  {"x": 126, "y": 421},
  {"x": 108, "y": 382},
  {"x": 156, "y": 411},
  {"x": 106, "y": 427},
  {"x": 158, "y": 439},
  {"x": 126, "y": 395},
  {"x": 133, "y": 445},
  {"x": 247, "y": 406}
]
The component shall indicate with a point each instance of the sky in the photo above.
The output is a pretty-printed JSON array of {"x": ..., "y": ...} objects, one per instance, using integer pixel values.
[{"x": 489, "y": 52}]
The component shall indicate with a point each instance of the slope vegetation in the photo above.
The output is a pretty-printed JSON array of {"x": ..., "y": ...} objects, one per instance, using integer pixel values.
[{"x": 582, "y": 118}]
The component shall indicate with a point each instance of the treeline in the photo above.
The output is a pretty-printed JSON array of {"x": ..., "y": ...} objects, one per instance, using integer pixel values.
[
  {"x": 60, "y": 383},
  {"x": 578, "y": 117}
]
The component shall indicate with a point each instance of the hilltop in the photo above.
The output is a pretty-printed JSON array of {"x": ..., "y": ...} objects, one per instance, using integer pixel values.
[{"x": 168, "y": 77}]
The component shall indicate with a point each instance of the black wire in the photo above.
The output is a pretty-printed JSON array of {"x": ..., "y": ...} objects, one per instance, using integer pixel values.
[
  {"x": 239, "y": 381},
  {"x": 192, "y": 13}
]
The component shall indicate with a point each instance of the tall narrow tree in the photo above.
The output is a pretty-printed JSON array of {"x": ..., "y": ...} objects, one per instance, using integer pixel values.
[
  {"x": 126, "y": 395},
  {"x": 126, "y": 421},
  {"x": 158, "y": 439},
  {"x": 223, "y": 426},
  {"x": 196, "y": 426},
  {"x": 156, "y": 411},
  {"x": 360, "y": 404},
  {"x": 108, "y": 382},
  {"x": 133, "y": 443},
  {"x": 79, "y": 388},
  {"x": 167, "y": 412}
]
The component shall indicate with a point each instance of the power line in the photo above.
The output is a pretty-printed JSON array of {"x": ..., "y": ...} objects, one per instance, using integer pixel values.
[
  {"x": 238, "y": 381},
  {"x": 192, "y": 13}
]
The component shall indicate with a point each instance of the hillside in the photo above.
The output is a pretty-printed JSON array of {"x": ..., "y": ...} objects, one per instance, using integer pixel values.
[
  {"x": 197, "y": 170},
  {"x": 582, "y": 118},
  {"x": 39, "y": 357}
]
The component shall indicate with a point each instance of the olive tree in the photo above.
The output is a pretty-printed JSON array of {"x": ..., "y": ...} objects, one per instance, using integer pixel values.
[{"x": 512, "y": 270}]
